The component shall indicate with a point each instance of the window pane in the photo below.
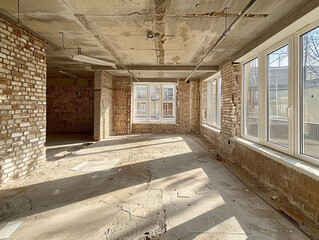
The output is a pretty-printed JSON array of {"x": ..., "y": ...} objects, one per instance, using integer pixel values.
[
  {"x": 155, "y": 110},
  {"x": 140, "y": 111},
  {"x": 168, "y": 92},
  {"x": 214, "y": 103},
  {"x": 168, "y": 112},
  {"x": 278, "y": 96},
  {"x": 310, "y": 98},
  {"x": 140, "y": 92},
  {"x": 209, "y": 103},
  {"x": 155, "y": 92},
  {"x": 219, "y": 96},
  {"x": 251, "y": 98}
]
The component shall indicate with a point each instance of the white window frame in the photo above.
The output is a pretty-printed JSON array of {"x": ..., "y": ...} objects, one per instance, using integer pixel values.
[
  {"x": 292, "y": 38},
  {"x": 297, "y": 92},
  {"x": 216, "y": 77},
  {"x": 149, "y": 109},
  {"x": 135, "y": 100},
  {"x": 288, "y": 41},
  {"x": 148, "y": 102},
  {"x": 168, "y": 101},
  {"x": 243, "y": 97}
]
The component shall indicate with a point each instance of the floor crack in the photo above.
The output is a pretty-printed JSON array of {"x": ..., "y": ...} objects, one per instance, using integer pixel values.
[
  {"x": 124, "y": 210},
  {"x": 114, "y": 224}
]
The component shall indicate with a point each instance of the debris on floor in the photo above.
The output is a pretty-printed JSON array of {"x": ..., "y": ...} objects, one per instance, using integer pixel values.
[
  {"x": 274, "y": 198},
  {"x": 120, "y": 189}
]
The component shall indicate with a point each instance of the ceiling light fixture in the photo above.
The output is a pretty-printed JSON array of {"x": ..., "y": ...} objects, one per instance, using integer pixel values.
[
  {"x": 150, "y": 34},
  {"x": 81, "y": 58},
  {"x": 69, "y": 74}
]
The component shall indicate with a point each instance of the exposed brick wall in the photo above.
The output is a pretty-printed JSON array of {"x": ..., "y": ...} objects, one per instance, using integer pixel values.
[
  {"x": 187, "y": 111},
  {"x": 22, "y": 101},
  {"x": 70, "y": 109},
  {"x": 122, "y": 91},
  {"x": 155, "y": 128},
  {"x": 301, "y": 190},
  {"x": 231, "y": 78},
  {"x": 103, "y": 98}
]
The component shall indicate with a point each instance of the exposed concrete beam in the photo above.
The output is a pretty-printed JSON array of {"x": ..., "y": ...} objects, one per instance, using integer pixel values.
[
  {"x": 158, "y": 79},
  {"x": 86, "y": 24},
  {"x": 156, "y": 68}
]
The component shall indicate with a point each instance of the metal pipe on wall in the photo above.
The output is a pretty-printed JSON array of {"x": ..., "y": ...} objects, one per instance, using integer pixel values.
[{"x": 221, "y": 38}]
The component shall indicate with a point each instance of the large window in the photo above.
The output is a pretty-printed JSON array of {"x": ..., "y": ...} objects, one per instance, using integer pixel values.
[
  {"x": 309, "y": 92},
  {"x": 214, "y": 101},
  {"x": 154, "y": 102},
  {"x": 281, "y": 95}
]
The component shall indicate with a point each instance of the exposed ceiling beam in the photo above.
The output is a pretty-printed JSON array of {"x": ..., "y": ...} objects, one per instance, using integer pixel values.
[
  {"x": 86, "y": 24},
  {"x": 158, "y": 79},
  {"x": 156, "y": 68}
]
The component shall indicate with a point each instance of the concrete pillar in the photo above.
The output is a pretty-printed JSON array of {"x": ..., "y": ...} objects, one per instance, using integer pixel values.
[
  {"x": 103, "y": 99},
  {"x": 98, "y": 135}
]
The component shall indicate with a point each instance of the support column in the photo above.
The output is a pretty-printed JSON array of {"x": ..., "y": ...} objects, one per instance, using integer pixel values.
[
  {"x": 97, "y": 106},
  {"x": 102, "y": 105}
]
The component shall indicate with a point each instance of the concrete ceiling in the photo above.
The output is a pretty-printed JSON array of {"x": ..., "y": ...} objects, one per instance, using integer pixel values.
[{"x": 116, "y": 31}]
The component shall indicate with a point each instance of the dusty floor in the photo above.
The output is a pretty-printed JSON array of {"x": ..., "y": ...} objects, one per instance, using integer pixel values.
[
  {"x": 59, "y": 145},
  {"x": 139, "y": 187}
]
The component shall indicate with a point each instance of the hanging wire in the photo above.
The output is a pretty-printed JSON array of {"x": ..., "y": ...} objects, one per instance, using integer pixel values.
[
  {"x": 62, "y": 40},
  {"x": 226, "y": 17},
  {"x": 18, "y": 3}
]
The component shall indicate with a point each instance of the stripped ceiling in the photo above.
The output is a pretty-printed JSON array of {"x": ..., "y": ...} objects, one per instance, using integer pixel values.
[{"x": 116, "y": 31}]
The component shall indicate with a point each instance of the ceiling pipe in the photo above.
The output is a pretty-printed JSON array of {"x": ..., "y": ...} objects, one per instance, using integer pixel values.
[
  {"x": 221, "y": 38},
  {"x": 18, "y": 5},
  {"x": 18, "y": 23},
  {"x": 132, "y": 74}
]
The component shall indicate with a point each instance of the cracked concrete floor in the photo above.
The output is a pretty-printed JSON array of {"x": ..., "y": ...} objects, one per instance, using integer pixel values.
[{"x": 139, "y": 187}]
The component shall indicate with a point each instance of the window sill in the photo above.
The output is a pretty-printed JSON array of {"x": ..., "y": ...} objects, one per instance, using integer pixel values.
[
  {"x": 300, "y": 166},
  {"x": 211, "y": 128},
  {"x": 154, "y": 123}
]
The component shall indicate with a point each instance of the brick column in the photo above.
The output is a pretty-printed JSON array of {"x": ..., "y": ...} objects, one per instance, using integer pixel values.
[
  {"x": 22, "y": 101},
  {"x": 231, "y": 94},
  {"x": 122, "y": 101},
  {"x": 231, "y": 110}
]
